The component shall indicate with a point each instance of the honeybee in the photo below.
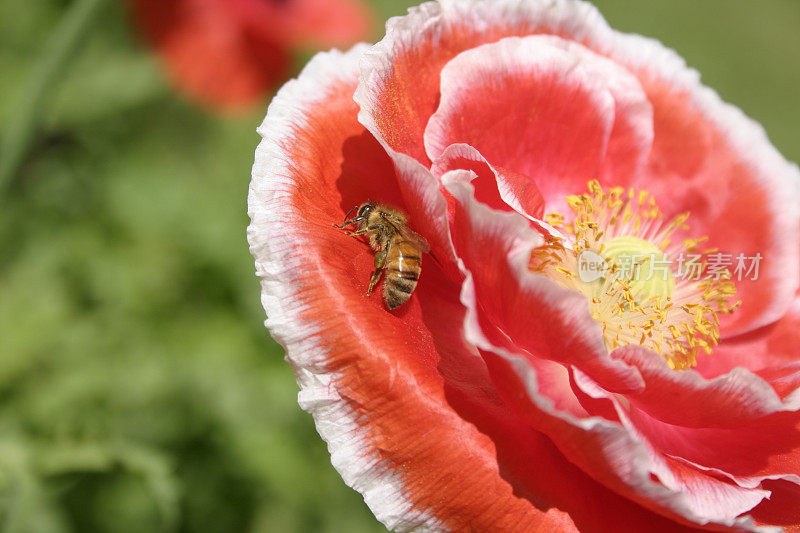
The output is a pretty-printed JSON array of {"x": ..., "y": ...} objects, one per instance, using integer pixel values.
[{"x": 398, "y": 249}]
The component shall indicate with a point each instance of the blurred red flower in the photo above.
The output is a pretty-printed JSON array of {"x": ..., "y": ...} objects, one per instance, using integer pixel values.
[{"x": 228, "y": 53}]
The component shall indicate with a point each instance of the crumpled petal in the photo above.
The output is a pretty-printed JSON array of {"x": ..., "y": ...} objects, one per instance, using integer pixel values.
[
  {"x": 399, "y": 88},
  {"x": 526, "y": 106},
  {"x": 767, "y": 448},
  {"x": 775, "y": 345},
  {"x": 730, "y": 400},
  {"x": 497, "y": 187},
  {"x": 546, "y": 108}
]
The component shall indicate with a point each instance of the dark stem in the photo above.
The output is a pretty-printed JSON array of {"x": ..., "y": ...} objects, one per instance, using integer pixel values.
[{"x": 26, "y": 114}]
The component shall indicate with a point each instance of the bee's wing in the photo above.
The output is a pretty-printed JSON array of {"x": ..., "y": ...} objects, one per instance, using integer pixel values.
[
  {"x": 408, "y": 233},
  {"x": 411, "y": 234}
]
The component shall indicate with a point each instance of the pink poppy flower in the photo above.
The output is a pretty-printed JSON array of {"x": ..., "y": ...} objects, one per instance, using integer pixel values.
[
  {"x": 228, "y": 53},
  {"x": 510, "y": 393}
]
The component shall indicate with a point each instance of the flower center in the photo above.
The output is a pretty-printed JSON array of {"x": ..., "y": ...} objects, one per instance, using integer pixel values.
[
  {"x": 617, "y": 252},
  {"x": 637, "y": 257}
]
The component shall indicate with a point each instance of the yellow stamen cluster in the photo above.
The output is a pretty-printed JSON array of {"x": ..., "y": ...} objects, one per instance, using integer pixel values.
[{"x": 623, "y": 230}]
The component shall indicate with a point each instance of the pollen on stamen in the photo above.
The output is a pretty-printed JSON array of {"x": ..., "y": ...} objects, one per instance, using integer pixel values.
[{"x": 618, "y": 255}]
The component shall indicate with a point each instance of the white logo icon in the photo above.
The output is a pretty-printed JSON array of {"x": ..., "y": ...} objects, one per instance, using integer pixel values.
[{"x": 591, "y": 266}]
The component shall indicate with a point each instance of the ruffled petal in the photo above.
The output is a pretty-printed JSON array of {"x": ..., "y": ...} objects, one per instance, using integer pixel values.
[
  {"x": 526, "y": 106},
  {"x": 307, "y": 128},
  {"x": 730, "y": 400},
  {"x": 775, "y": 345},
  {"x": 765, "y": 448},
  {"x": 520, "y": 309},
  {"x": 748, "y": 428},
  {"x": 615, "y": 457},
  {"x": 546, "y": 108},
  {"x": 784, "y": 379},
  {"x": 710, "y": 492},
  {"x": 747, "y": 431},
  {"x": 399, "y": 87},
  {"x": 497, "y": 187}
]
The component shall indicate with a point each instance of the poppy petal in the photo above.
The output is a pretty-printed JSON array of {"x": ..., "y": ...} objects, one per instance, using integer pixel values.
[
  {"x": 497, "y": 187},
  {"x": 546, "y": 108},
  {"x": 399, "y": 88},
  {"x": 775, "y": 345},
  {"x": 729, "y": 400},
  {"x": 739, "y": 452},
  {"x": 782, "y": 508},
  {"x": 709, "y": 159}
]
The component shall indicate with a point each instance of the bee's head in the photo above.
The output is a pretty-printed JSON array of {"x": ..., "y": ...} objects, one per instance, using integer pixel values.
[{"x": 365, "y": 209}]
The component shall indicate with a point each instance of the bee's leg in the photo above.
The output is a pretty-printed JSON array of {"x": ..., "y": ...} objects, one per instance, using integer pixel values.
[
  {"x": 374, "y": 280},
  {"x": 362, "y": 231},
  {"x": 380, "y": 262},
  {"x": 348, "y": 222}
]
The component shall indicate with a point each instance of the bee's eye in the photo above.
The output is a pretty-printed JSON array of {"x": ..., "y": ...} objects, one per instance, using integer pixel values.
[{"x": 364, "y": 210}]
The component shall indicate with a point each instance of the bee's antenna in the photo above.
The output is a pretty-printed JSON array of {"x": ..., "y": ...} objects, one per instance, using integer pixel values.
[
  {"x": 351, "y": 210},
  {"x": 348, "y": 222}
]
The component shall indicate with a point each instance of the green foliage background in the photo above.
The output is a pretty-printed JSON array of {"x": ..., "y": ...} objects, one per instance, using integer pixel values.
[{"x": 139, "y": 390}]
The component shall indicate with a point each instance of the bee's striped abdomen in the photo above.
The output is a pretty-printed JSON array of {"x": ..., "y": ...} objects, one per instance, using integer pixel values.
[{"x": 403, "y": 266}]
